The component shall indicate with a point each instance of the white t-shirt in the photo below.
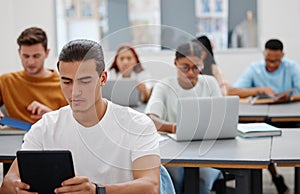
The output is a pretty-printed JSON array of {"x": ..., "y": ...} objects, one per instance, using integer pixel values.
[
  {"x": 103, "y": 152},
  {"x": 163, "y": 100}
]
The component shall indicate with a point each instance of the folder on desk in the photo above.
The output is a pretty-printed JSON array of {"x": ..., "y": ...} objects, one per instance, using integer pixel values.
[{"x": 15, "y": 123}]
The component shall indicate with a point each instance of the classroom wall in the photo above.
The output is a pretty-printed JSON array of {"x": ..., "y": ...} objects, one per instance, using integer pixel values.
[{"x": 278, "y": 19}]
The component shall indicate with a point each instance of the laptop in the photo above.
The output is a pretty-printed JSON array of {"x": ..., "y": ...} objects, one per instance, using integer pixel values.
[
  {"x": 46, "y": 169},
  {"x": 122, "y": 91},
  {"x": 207, "y": 118}
]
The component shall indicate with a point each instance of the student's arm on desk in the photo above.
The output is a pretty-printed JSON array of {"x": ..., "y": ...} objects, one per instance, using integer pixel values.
[
  {"x": 295, "y": 97},
  {"x": 145, "y": 92},
  {"x": 246, "y": 92},
  {"x": 146, "y": 175},
  {"x": 161, "y": 125}
]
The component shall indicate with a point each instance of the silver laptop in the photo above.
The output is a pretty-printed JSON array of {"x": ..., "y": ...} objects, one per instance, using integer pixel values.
[
  {"x": 122, "y": 91},
  {"x": 206, "y": 118}
]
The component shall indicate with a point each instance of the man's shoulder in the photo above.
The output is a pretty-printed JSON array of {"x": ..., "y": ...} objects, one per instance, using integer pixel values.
[
  {"x": 61, "y": 112},
  {"x": 289, "y": 63},
  {"x": 12, "y": 75},
  {"x": 124, "y": 113}
]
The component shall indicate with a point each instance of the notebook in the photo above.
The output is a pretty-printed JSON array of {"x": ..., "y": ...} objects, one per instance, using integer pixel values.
[
  {"x": 257, "y": 130},
  {"x": 122, "y": 91},
  {"x": 15, "y": 123},
  {"x": 207, "y": 118},
  {"x": 45, "y": 170}
]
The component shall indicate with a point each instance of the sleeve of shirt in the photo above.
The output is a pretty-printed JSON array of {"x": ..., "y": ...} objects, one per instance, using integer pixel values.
[
  {"x": 246, "y": 79},
  {"x": 33, "y": 138},
  {"x": 296, "y": 78},
  {"x": 156, "y": 104},
  {"x": 146, "y": 139}
]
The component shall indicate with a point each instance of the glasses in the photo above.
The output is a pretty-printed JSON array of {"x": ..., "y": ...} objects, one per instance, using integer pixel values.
[{"x": 187, "y": 68}]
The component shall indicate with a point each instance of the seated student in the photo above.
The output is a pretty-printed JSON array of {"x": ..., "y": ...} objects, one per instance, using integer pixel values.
[
  {"x": 112, "y": 146},
  {"x": 126, "y": 64},
  {"x": 210, "y": 66},
  {"x": 162, "y": 105},
  {"x": 270, "y": 76},
  {"x": 29, "y": 93}
]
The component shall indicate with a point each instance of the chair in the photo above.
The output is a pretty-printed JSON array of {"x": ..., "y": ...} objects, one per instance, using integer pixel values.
[
  {"x": 166, "y": 184},
  {"x": 220, "y": 185}
]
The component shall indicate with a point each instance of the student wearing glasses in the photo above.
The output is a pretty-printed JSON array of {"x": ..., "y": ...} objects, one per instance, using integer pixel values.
[{"x": 162, "y": 105}]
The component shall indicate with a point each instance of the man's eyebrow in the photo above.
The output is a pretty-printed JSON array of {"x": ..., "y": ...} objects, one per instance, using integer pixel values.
[
  {"x": 85, "y": 77},
  {"x": 66, "y": 78}
]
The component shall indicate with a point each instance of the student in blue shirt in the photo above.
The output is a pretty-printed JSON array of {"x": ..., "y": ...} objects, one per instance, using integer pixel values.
[{"x": 270, "y": 76}]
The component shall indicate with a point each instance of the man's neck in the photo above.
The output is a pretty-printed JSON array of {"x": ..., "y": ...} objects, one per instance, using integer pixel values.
[
  {"x": 93, "y": 116},
  {"x": 42, "y": 74}
]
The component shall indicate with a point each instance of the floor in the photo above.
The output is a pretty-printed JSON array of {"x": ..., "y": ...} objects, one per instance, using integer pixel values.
[{"x": 268, "y": 186}]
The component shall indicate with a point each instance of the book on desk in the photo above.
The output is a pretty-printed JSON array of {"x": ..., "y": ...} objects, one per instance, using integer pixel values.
[
  {"x": 266, "y": 99},
  {"x": 257, "y": 130},
  {"x": 13, "y": 126}
]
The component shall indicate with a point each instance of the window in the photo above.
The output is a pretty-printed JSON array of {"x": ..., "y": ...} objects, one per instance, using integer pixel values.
[{"x": 151, "y": 23}]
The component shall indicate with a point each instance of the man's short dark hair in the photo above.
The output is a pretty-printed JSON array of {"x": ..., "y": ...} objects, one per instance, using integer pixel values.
[
  {"x": 83, "y": 50},
  {"x": 31, "y": 36},
  {"x": 274, "y": 44}
]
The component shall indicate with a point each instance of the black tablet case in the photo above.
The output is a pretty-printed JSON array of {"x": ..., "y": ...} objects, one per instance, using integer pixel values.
[{"x": 45, "y": 170}]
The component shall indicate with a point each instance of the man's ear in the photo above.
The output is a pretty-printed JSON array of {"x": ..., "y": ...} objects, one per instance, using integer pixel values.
[
  {"x": 103, "y": 78},
  {"x": 175, "y": 62},
  {"x": 47, "y": 52}
]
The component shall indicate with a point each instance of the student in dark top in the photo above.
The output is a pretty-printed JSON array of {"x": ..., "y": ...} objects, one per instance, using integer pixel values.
[{"x": 210, "y": 67}]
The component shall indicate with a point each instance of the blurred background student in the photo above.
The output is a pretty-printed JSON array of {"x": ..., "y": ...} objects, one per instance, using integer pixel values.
[
  {"x": 162, "y": 105},
  {"x": 127, "y": 64},
  {"x": 29, "y": 93},
  {"x": 210, "y": 66}
]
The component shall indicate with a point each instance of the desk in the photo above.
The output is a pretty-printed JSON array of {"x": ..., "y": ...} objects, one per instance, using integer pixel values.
[
  {"x": 243, "y": 157},
  {"x": 285, "y": 152},
  {"x": 253, "y": 113},
  {"x": 9, "y": 145},
  {"x": 289, "y": 112}
]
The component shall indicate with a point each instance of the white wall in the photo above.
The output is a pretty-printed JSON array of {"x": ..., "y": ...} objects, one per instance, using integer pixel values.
[{"x": 276, "y": 19}]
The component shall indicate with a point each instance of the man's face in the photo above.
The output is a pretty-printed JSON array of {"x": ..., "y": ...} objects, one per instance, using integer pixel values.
[
  {"x": 189, "y": 69},
  {"x": 81, "y": 84},
  {"x": 33, "y": 58},
  {"x": 273, "y": 59}
]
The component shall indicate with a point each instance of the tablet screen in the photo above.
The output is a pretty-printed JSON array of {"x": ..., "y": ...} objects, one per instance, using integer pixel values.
[{"x": 45, "y": 170}]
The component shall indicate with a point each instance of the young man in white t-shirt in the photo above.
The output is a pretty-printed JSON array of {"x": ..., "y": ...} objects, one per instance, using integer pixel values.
[{"x": 115, "y": 149}]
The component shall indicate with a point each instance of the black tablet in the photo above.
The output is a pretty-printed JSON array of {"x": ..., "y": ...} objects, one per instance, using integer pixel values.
[{"x": 45, "y": 170}]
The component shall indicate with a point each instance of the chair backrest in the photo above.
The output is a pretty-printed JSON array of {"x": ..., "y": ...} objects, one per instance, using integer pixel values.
[{"x": 166, "y": 184}]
